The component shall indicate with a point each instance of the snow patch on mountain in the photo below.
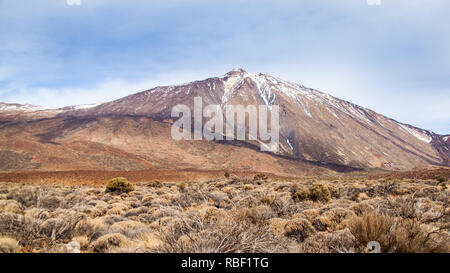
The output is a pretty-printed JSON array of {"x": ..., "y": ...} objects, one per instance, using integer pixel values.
[
  {"x": 19, "y": 107},
  {"x": 85, "y": 106},
  {"x": 420, "y": 135},
  {"x": 289, "y": 143}
]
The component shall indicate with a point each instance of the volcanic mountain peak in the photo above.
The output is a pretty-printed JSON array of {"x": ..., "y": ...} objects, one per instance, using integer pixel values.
[{"x": 314, "y": 127}]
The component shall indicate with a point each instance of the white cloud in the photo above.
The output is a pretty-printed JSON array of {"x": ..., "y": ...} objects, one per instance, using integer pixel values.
[
  {"x": 105, "y": 91},
  {"x": 373, "y": 2},
  {"x": 73, "y": 2}
]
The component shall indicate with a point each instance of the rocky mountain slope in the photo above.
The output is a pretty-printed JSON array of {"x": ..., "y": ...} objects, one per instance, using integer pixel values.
[{"x": 318, "y": 133}]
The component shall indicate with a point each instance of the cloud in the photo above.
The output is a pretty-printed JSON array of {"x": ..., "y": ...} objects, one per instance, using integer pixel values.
[
  {"x": 73, "y": 2},
  {"x": 373, "y": 2},
  {"x": 107, "y": 90}
]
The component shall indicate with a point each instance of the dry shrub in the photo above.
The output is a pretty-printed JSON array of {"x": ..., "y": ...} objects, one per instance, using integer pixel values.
[
  {"x": 298, "y": 229},
  {"x": 148, "y": 242},
  {"x": 283, "y": 205},
  {"x": 27, "y": 196},
  {"x": 136, "y": 212},
  {"x": 337, "y": 215},
  {"x": 258, "y": 214},
  {"x": 409, "y": 236},
  {"x": 370, "y": 226},
  {"x": 8, "y": 245},
  {"x": 155, "y": 184},
  {"x": 82, "y": 240},
  {"x": 321, "y": 223},
  {"x": 397, "y": 234},
  {"x": 361, "y": 208},
  {"x": 24, "y": 228},
  {"x": 308, "y": 214},
  {"x": 276, "y": 226},
  {"x": 62, "y": 227},
  {"x": 109, "y": 241},
  {"x": 130, "y": 229},
  {"x": 91, "y": 228},
  {"x": 341, "y": 241},
  {"x": 420, "y": 209},
  {"x": 11, "y": 206},
  {"x": 195, "y": 194},
  {"x": 49, "y": 201},
  {"x": 260, "y": 176},
  {"x": 227, "y": 234},
  {"x": 73, "y": 199}
]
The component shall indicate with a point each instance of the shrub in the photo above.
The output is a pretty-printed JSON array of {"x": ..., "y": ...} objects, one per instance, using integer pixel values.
[
  {"x": 260, "y": 176},
  {"x": 181, "y": 186},
  {"x": 397, "y": 234},
  {"x": 299, "y": 229},
  {"x": 341, "y": 241},
  {"x": 155, "y": 184},
  {"x": 317, "y": 192},
  {"x": 11, "y": 206},
  {"x": 8, "y": 245},
  {"x": 227, "y": 175},
  {"x": 232, "y": 232},
  {"x": 108, "y": 241},
  {"x": 334, "y": 191},
  {"x": 268, "y": 199},
  {"x": 320, "y": 192},
  {"x": 119, "y": 184},
  {"x": 441, "y": 179},
  {"x": 301, "y": 194}
]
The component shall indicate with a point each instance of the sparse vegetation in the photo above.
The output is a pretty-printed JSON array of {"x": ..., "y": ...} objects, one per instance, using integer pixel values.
[{"x": 227, "y": 215}]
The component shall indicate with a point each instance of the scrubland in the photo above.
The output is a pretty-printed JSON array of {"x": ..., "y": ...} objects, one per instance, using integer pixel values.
[{"x": 229, "y": 214}]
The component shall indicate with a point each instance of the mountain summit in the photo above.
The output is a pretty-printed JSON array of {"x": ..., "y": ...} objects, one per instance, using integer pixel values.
[{"x": 317, "y": 132}]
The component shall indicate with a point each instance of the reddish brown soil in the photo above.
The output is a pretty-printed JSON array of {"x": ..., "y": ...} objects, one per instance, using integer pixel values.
[
  {"x": 424, "y": 173},
  {"x": 101, "y": 177}
]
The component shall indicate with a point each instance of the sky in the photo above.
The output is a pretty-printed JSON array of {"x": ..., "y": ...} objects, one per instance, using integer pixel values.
[{"x": 391, "y": 56}]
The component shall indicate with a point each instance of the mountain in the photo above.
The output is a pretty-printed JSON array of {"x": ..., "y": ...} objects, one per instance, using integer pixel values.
[{"x": 318, "y": 133}]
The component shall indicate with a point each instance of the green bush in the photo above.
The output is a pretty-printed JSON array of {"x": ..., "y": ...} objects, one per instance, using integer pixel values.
[
  {"x": 119, "y": 184},
  {"x": 441, "y": 179},
  {"x": 334, "y": 191},
  {"x": 317, "y": 192},
  {"x": 268, "y": 199},
  {"x": 181, "y": 186},
  {"x": 155, "y": 184},
  {"x": 227, "y": 175},
  {"x": 301, "y": 194},
  {"x": 320, "y": 192}
]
